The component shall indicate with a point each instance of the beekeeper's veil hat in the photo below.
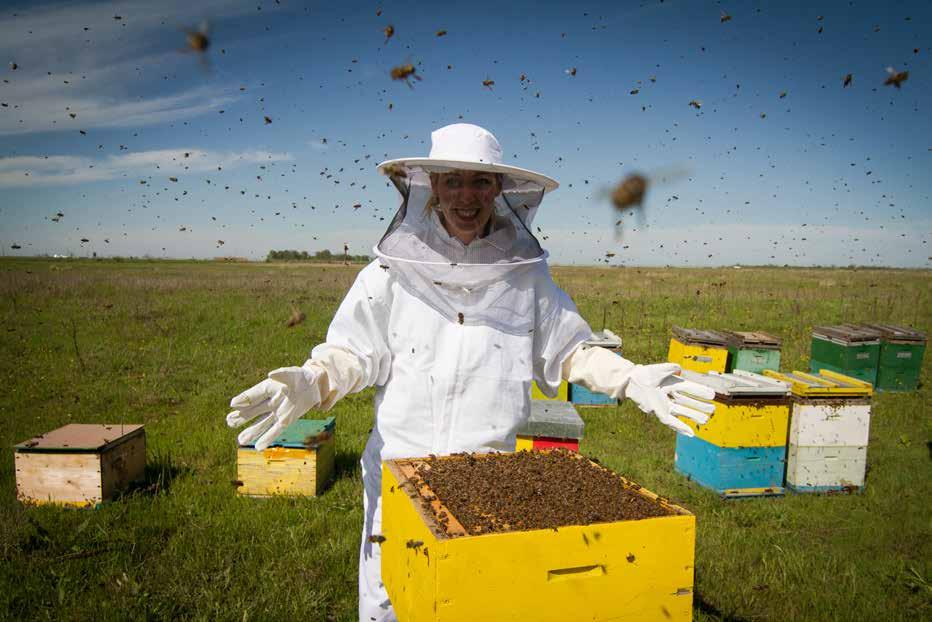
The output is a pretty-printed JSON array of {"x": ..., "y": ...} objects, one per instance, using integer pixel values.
[{"x": 422, "y": 256}]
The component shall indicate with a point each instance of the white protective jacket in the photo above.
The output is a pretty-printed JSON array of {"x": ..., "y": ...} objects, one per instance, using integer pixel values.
[{"x": 441, "y": 386}]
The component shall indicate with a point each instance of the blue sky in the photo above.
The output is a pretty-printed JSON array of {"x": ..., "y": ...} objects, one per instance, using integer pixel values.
[{"x": 822, "y": 175}]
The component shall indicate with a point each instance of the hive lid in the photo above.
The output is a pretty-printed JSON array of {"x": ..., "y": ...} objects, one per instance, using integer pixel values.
[
  {"x": 738, "y": 384},
  {"x": 552, "y": 418},
  {"x": 304, "y": 433},
  {"x": 604, "y": 338},
  {"x": 826, "y": 384},
  {"x": 756, "y": 339},
  {"x": 848, "y": 334},
  {"x": 703, "y": 337},
  {"x": 81, "y": 438},
  {"x": 899, "y": 334}
]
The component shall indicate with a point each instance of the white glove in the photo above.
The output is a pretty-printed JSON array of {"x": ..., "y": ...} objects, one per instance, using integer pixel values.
[
  {"x": 287, "y": 394},
  {"x": 656, "y": 389}
]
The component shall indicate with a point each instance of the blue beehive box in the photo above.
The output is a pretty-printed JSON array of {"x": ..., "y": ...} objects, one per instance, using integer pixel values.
[
  {"x": 580, "y": 395},
  {"x": 741, "y": 450}
]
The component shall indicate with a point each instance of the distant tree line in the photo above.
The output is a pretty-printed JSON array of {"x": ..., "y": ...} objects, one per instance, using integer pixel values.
[{"x": 324, "y": 255}]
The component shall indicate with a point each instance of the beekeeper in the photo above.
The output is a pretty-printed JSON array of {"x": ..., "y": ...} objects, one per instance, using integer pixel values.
[{"x": 451, "y": 323}]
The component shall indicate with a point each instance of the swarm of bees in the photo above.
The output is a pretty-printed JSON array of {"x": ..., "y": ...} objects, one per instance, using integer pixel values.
[
  {"x": 896, "y": 78},
  {"x": 405, "y": 72}
]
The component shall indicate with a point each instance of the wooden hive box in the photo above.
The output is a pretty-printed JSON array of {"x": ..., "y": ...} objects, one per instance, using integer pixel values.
[
  {"x": 829, "y": 430},
  {"x": 848, "y": 349},
  {"x": 698, "y": 350},
  {"x": 434, "y": 570},
  {"x": 741, "y": 450},
  {"x": 580, "y": 395},
  {"x": 80, "y": 464},
  {"x": 551, "y": 424},
  {"x": 753, "y": 351},
  {"x": 900, "y": 362},
  {"x": 297, "y": 463}
]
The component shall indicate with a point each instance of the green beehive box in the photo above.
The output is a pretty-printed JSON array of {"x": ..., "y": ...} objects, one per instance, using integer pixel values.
[
  {"x": 847, "y": 349},
  {"x": 901, "y": 352},
  {"x": 752, "y": 351}
]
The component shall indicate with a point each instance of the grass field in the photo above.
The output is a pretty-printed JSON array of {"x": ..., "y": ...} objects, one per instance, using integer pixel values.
[{"x": 169, "y": 343}]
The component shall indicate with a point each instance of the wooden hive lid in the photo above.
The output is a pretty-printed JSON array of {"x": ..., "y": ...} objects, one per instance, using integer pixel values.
[
  {"x": 81, "y": 438},
  {"x": 826, "y": 384},
  {"x": 700, "y": 337},
  {"x": 847, "y": 333},
  {"x": 739, "y": 384},
  {"x": 553, "y": 418},
  {"x": 755, "y": 339},
  {"x": 308, "y": 433},
  {"x": 605, "y": 339},
  {"x": 899, "y": 334}
]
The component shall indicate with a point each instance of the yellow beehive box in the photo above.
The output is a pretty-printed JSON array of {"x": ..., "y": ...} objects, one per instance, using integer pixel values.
[
  {"x": 80, "y": 464},
  {"x": 297, "y": 463},
  {"x": 624, "y": 570},
  {"x": 561, "y": 396},
  {"x": 750, "y": 410},
  {"x": 698, "y": 350}
]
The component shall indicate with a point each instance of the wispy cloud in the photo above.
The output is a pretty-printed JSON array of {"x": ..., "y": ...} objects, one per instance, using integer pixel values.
[
  {"x": 32, "y": 171},
  {"x": 78, "y": 59}
]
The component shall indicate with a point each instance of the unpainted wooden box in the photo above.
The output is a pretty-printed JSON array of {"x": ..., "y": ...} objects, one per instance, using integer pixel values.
[
  {"x": 297, "y": 463},
  {"x": 80, "y": 464},
  {"x": 623, "y": 571}
]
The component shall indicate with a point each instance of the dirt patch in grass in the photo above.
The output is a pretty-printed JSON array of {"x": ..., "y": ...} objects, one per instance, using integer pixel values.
[{"x": 531, "y": 490}]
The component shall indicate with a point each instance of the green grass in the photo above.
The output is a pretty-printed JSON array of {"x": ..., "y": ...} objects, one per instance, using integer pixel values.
[{"x": 169, "y": 343}]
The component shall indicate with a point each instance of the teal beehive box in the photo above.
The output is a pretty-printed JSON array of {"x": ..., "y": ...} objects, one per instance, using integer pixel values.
[
  {"x": 901, "y": 352},
  {"x": 580, "y": 395},
  {"x": 752, "y": 351},
  {"x": 847, "y": 349}
]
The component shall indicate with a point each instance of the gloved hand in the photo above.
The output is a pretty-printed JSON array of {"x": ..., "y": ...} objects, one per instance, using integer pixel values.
[
  {"x": 656, "y": 389},
  {"x": 287, "y": 394}
]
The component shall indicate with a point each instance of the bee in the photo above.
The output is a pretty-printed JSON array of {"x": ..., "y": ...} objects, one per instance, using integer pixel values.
[
  {"x": 847, "y": 80},
  {"x": 394, "y": 170},
  {"x": 296, "y": 318},
  {"x": 389, "y": 32},
  {"x": 460, "y": 318},
  {"x": 173, "y": 179},
  {"x": 405, "y": 72},
  {"x": 571, "y": 71},
  {"x": 634, "y": 91},
  {"x": 441, "y": 33},
  {"x": 15, "y": 247},
  {"x": 488, "y": 83},
  {"x": 267, "y": 120},
  {"x": 695, "y": 103},
  {"x": 782, "y": 94},
  {"x": 630, "y": 192},
  {"x": 197, "y": 40},
  {"x": 725, "y": 17},
  {"x": 376, "y": 539},
  {"x": 220, "y": 243},
  {"x": 13, "y": 66},
  {"x": 84, "y": 240},
  {"x": 896, "y": 78}
]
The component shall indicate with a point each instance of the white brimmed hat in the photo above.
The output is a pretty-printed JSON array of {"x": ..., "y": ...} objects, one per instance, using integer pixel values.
[{"x": 467, "y": 147}]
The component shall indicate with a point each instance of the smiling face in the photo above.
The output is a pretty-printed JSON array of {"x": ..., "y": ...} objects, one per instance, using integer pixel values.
[{"x": 466, "y": 199}]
